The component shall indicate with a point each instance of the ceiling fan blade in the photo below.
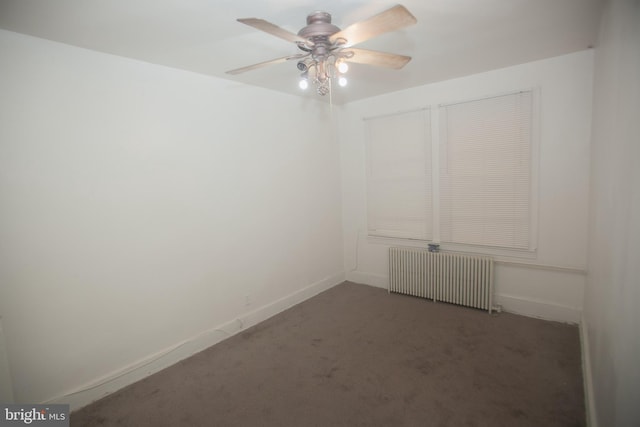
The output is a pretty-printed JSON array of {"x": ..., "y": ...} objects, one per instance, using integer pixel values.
[
  {"x": 390, "y": 20},
  {"x": 273, "y": 29},
  {"x": 379, "y": 59},
  {"x": 265, "y": 63}
]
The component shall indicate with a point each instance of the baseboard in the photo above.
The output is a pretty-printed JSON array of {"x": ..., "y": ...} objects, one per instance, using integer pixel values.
[
  {"x": 280, "y": 305},
  {"x": 512, "y": 304},
  {"x": 589, "y": 397},
  {"x": 153, "y": 363},
  {"x": 371, "y": 279},
  {"x": 541, "y": 309}
]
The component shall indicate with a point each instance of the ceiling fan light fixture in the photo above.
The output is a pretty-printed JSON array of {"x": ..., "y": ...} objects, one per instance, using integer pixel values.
[{"x": 326, "y": 48}]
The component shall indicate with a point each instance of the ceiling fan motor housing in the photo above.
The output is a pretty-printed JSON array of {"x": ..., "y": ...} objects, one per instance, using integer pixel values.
[{"x": 319, "y": 27}]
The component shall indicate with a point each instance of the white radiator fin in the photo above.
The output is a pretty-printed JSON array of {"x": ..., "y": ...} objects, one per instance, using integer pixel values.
[{"x": 453, "y": 278}]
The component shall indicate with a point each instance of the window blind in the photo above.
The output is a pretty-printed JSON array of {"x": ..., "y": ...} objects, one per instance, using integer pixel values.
[
  {"x": 399, "y": 183},
  {"x": 485, "y": 171}
]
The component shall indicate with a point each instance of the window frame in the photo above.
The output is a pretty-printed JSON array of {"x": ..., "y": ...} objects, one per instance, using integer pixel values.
[{"x": 434, "y": 110}]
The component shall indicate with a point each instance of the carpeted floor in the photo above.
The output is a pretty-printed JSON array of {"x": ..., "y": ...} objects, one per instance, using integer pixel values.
[{"x": 358, "y": 356}]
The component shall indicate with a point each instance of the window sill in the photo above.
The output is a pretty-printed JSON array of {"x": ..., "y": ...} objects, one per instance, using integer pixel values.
[{"x": 499, "y": 253}]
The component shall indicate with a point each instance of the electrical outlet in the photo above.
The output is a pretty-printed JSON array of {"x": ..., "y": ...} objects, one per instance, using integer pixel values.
[{"x": 247, "y": 300}]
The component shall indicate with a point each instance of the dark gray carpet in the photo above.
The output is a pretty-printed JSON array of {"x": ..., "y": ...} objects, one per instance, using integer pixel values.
[{"x": 358, "y": 356}]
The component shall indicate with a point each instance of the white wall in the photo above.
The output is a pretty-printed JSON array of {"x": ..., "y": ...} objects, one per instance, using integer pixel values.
[
  {"x": 6, "y": 389},
  {"x": 611, "y": 323},
  {"x": 554, "y": 289},
  {"x": 144, "y": 209}
]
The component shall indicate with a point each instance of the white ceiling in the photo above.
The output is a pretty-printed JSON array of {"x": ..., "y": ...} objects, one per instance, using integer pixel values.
[{"x": 452, "y": 37}]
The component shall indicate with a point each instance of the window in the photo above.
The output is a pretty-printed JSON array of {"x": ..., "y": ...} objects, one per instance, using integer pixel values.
[
  {"x": 399, "y": 176},
  {"x": 473, "y": 186}
]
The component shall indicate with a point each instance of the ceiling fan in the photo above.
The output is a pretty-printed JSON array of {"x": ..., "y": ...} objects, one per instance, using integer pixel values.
[{"x": 326, "y": 49}]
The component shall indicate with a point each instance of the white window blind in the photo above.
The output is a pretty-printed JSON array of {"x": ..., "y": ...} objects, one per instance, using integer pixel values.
[
  {"x": 485, "y": 171},
  {"x": 399, "y": 176}
]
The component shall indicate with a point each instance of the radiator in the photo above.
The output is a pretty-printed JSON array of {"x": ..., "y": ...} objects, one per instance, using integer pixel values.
[{"x": 440, "y": 276}]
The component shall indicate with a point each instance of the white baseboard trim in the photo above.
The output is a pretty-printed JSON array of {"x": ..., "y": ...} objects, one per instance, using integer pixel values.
[
  {"x": 589, "y": 397},
  {"x": 536, "y": 308},
  {"x": 371, "y": 279},
  {"x": 518, "y": 305},
  {"x": 100, "y": 387}
]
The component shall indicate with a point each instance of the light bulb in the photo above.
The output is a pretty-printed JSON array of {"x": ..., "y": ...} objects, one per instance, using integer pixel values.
[
  {"x": 303, "y": 83},
  {"x": 343, "y": 67},
  {"x": 342, "y": 81}
]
